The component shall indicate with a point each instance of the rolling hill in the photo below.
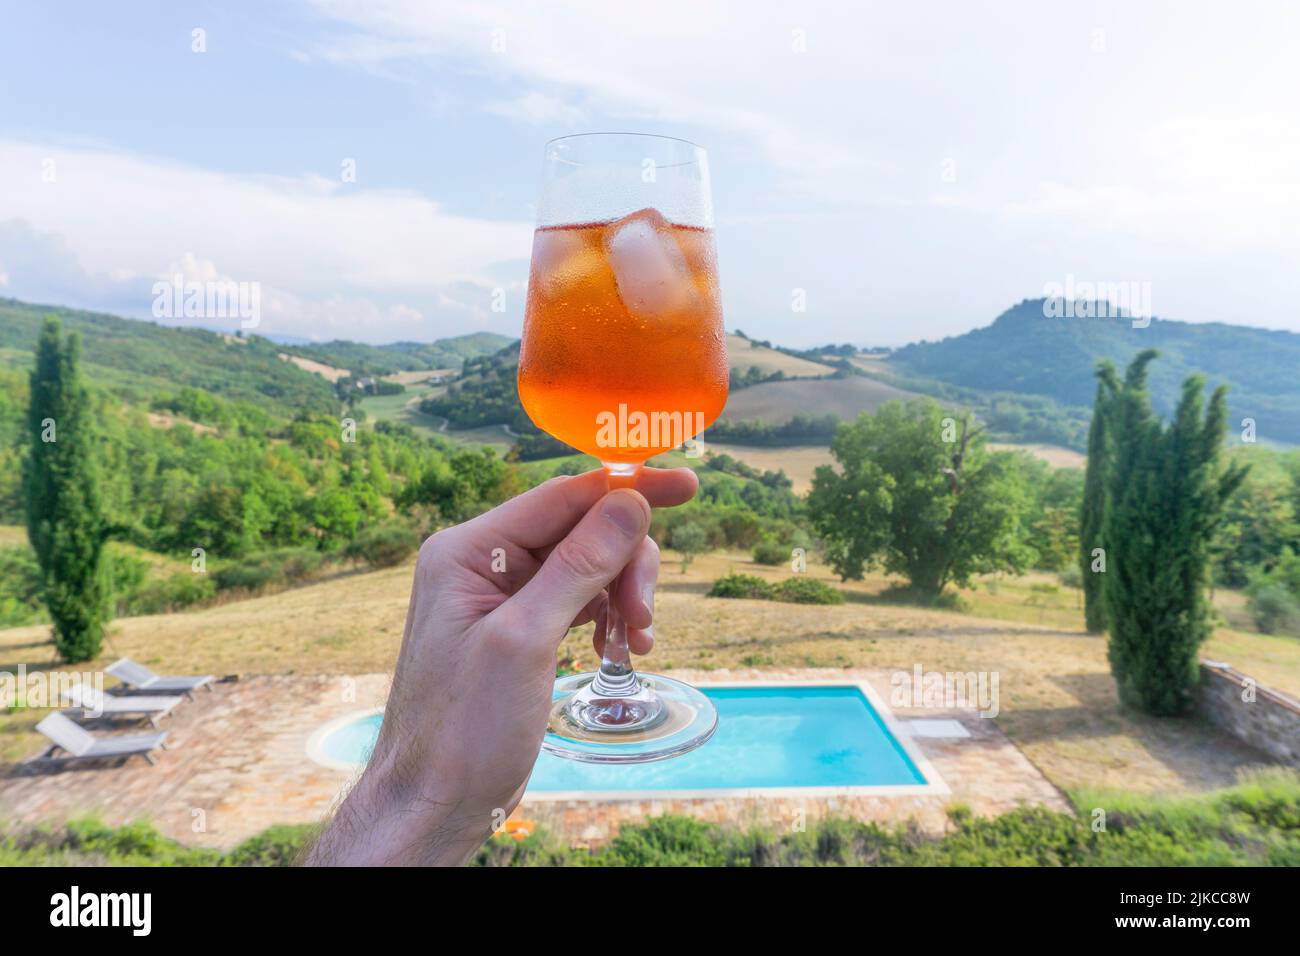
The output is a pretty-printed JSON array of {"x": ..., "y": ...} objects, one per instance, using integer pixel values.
[
  {"x": 1027, "y": 353},
  {"x": 744, "y": 353},
  {"x": 778, "y": 402},
  {"x": 141, "y": 360},
  {"x": 363, "y": 359}
]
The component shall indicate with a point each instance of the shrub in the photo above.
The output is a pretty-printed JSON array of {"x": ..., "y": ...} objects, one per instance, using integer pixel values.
[
  {"x": 178, "y": 590},
  {"x": 126, "y": 575},
  {"x": 20, "y": 587},
  {"x": 278, "y": 846},
  {"x": 796, "y": 590},
  {"x": 1274, "y": 608},
  {"x": 1256, "y": 822},
  {"x": 689, "y": 539},
  {"x": 384, "y": 545},
  {"x": 283, "y": 566},
  {"x": 772, "y": 552},
  {"x": 665, "y": 841},
  {"x": 740, "y": 529},
  {"x": 804, "y": 590},
  {"x": 741, "y": 586}
]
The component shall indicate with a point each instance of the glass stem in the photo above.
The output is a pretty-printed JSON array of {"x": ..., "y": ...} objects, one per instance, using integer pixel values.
[{"x": 617, "y": 677}]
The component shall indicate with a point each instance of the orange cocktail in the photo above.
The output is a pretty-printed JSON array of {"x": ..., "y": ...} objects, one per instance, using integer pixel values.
[{"x": 623, "y": 354}]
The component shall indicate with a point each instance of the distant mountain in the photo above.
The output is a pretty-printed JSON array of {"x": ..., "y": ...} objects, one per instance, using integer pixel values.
[
  {"x": 142, "y": 360},
  {"x": 362, "y": 359},
  {"x": 1026, "y": 352}
]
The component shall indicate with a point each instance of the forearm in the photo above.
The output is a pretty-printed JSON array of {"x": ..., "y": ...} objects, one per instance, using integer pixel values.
[{"x": 376, "y": 826}]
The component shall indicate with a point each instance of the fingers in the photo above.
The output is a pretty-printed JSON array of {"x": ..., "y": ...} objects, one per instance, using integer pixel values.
[
  {"x": 635, "y": 601},
  {"x": 581, "y": 565},
  {"x": 639, "y": 640},
  {"x": 545, "y": 514},
  {"x": 636, "y": 586}
]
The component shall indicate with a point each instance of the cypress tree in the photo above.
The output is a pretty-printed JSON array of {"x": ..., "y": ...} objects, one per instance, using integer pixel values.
[
  {"x": 1166, "y": 490},
  {"x": 1093, "y": 509},
  {"x": 64, "y": 522}
]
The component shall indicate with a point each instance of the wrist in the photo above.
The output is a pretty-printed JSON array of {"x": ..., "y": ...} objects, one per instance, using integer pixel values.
[{"x": 383, "y": 824}]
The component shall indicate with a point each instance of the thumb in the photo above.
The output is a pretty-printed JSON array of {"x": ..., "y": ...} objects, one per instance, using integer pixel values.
[{"x": 581, "y": 565}]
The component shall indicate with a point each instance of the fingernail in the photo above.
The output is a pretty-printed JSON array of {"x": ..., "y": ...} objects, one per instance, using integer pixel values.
[
  {"x": 648, "y": 599},
  {"x": 623, "y": 509},
  {"x": 649, "y": 633}
]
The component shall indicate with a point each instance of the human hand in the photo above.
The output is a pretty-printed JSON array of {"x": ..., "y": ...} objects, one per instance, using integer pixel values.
[{"x": 491, "y": 601}]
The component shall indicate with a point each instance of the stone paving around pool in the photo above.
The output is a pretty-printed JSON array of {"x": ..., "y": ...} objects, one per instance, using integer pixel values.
[{"x": 236, "y": 764}]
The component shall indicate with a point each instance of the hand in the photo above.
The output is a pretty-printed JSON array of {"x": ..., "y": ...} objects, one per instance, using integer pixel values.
[{"x": 491, "y": 602}]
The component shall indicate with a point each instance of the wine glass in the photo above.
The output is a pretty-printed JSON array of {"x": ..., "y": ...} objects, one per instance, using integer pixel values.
[{"x": 624, "y": 357}]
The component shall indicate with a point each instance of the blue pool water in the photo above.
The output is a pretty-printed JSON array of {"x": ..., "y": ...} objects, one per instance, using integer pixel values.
[{"x": 787, "y": 736}]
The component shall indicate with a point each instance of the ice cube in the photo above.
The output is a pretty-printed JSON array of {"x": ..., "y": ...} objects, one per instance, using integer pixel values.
[
  {"x": 653, "y": 278},
  {"x": 564, "y": 261}
]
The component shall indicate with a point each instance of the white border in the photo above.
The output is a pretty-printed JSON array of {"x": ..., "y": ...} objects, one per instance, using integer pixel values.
[{"x": 933, "y": 787}]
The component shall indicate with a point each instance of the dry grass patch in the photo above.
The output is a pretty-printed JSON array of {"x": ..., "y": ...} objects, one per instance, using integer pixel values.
[
  {"x": 1057, "y": 698},
  {"x": 798, "y": 462},
  {"x": 743, "y": 354}
]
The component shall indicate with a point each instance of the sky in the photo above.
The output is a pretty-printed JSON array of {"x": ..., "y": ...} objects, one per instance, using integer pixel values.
[{"x": 903, "y": 171}]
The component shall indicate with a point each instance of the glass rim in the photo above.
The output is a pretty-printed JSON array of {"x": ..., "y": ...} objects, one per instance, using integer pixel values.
[
  {"x": 629, "y": 133},
  {"x": 700, "y": 152}
]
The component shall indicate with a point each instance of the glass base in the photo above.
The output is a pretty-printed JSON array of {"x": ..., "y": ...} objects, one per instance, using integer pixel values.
[{"x": 665, "y": 719}]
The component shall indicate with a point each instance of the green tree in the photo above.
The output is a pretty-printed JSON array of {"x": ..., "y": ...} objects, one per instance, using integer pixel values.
[
  {"x": 688, "y": 540},
  {"x": 917, "y": 493},
  {"x": 1259, "y": 530},
  {"x": 1166, "y": 491},
  {"x": 1093, "y": 510},
  {"x": 64, "y": 522}
]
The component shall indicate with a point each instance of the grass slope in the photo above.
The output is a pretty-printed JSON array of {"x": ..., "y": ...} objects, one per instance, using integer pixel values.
[
  {"x": 778, "y": 402},
  {"x": 143, "y": 359},
  {"x": 743, "y": 353}
]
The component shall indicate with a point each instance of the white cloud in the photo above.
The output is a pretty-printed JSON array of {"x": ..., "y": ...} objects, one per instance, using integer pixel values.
[
  {"x": 116, "y": 221},
  {"x": 1220, "y": 182},
  {"x": 1182, "y": 127},
  {"x": 538, "y": 108}
]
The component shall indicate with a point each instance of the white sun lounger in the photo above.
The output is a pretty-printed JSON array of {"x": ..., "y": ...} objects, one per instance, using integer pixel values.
[
  {"x": 98, "y": 703},
  {"x": 139, "y": 679},
  {"x": 81, "y": 744}
]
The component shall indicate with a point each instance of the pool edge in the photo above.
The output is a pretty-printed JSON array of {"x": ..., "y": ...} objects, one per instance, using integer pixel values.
[
  {"x": 317, "y": 753},
  {"x": 935, "y": 786}
]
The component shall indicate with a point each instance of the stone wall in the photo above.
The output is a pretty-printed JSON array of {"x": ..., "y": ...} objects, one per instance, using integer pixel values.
[{"x": 1265, "y": 719}]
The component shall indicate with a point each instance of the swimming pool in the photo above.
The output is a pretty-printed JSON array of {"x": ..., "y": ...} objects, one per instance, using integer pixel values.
[{"x": 770, "y": 736}]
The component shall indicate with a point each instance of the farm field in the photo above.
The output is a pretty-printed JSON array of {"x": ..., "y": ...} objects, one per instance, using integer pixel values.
[
  {"x": 778, "y": 402},
  {"x": 800, "y": 462},
  {"x": 742, "y": 354}
]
